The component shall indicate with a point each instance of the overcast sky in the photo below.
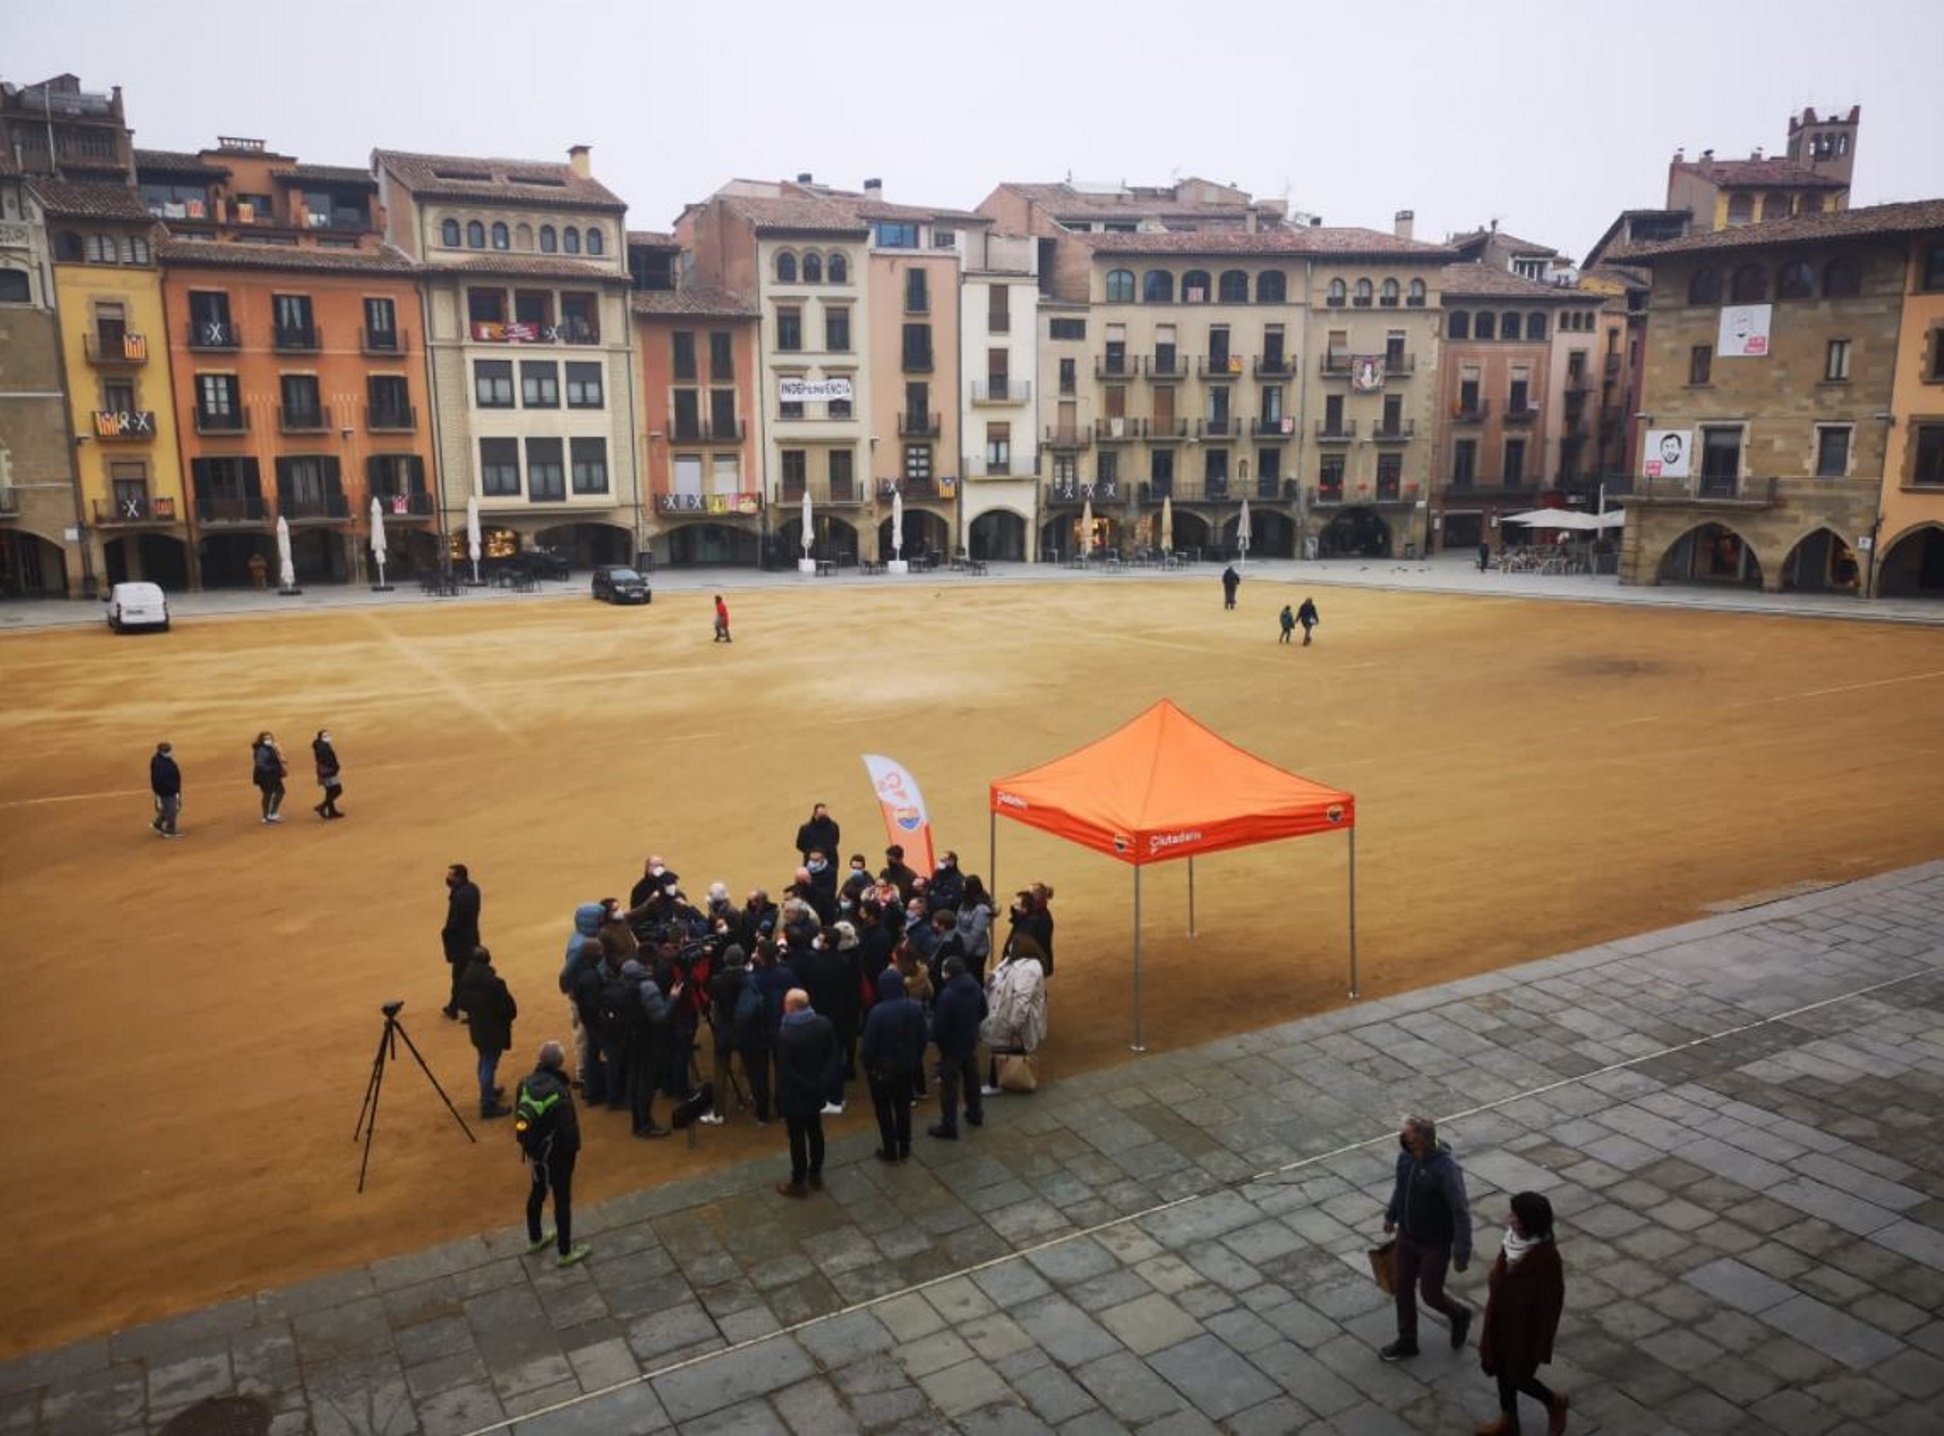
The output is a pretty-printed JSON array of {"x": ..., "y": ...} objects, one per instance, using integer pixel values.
[{"x": 1549, "y": 118}]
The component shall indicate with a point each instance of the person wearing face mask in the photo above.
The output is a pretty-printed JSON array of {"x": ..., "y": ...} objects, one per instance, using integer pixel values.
[
  {"x": 656, "y": 885},
  {"x": 947, "y": 885},
  {"x": 825, "y": 971},
  {"x": 267, "y": 771},
  {"x": 857, "y": 881},
  {"x": 1432, "y": 1220},
  {"x": 823, "y": 878},
  {"x": 919, "y": 932},
  {"x": 329, "y": 775},
  {"x": 1525, "y": 1292},
  {"x": 896, "y": 872},
  {"x": 819, "y": 900}
]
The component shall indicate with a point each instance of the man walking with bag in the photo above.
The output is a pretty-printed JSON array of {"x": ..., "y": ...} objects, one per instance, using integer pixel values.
[
  {"x": 1432, "y": 1220},
  {"x": 549, "y": 1134}
]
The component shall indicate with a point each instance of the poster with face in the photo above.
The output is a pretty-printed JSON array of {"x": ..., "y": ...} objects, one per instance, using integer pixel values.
[
  {"x": 1744, "y": 331},
  {"x": 1667, "y": 453}
]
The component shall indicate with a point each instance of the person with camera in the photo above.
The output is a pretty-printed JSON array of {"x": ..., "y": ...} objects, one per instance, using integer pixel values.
[{"x": 894, "y": 1054}]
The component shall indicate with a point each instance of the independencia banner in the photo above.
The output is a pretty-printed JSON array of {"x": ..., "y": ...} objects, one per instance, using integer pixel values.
[{"x": 905, "y": 820}]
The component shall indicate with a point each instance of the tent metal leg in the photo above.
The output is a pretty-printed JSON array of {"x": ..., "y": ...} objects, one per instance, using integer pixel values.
[
  {"x": 992, "y": 851},
  {"x": 1191, "y": 897},
  {"x": 1139, "y": 1045},
  {"x": 1353, "y": 913}
]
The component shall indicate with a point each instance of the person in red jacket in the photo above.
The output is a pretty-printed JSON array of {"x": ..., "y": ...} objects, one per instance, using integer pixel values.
[
  {"x": 722, "y": 621},
  {"x": 1526, "y": 1290}
]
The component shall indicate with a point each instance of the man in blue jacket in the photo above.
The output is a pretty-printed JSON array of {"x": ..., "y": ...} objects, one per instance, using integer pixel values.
[
  {"x": 165, "y": 783},
  {"x": 1432, "y": 1220},
  {"x": 893, "y": 1049},
  {"x": 957, "y": 1012}
]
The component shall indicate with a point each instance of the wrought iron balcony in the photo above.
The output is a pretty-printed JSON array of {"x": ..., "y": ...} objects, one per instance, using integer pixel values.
[
  {"x": 1274, "y": 366},
  {"x": 214, "y": 509},
  {"x": 1123, "y": 430},
  {"x": 314, "y": 508},
  {"x": 134, "y": 509},
  {"x": 1400, "y": 432},
  {"x": 115, "y": 351},
  {"x": 391, "y": 419},
  {"x": 1471, "y": 411},
  {"x": 1002, "y": 391},
  {"x": 1067, "y": 437},
  {"x": 1222, "y": 366},
  {"x": 1283, "y": 427},
  {"x": 1167, "y": 366},
  {"x": 1128, "y": 366},
  {"x": 296, "y": 338},
  {"x": 213, "y": 334},
  {"x": 234, "y": 421},
  {"x": 308, "y": 419},
  {"x": 1524, "y": 415},
  {"x": 920, "y": 426},
  {"x": 385, "y": 341},
  {"x": 1076, "y": 492},
  {"x": 824, "y": 493},
  {"x": 1342, "y": 431}
]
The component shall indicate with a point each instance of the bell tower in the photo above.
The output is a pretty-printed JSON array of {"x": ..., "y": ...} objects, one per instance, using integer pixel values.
[{"x": 1825, "y": 144}]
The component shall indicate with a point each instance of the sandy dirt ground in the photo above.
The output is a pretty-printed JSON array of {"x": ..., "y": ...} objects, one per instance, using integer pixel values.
[{"x": 189, "y": 1026}]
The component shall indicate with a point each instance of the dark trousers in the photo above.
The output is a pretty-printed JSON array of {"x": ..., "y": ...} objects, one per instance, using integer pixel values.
[
  {"x": 555, "y": 1174},
  {"x": 891, "y": 1097},
  {"x": 273, "y": 796},
  {"x": 1510, "y": 1386},
  {"x": 167, "y": 806},
  {"x": 806, "y": 1146},
  {"x": 456, "y": 965},
  {"x": 1285, "y": 635},
  {"x": 1228, "y": 599},
  {"x": 1421, "y": 1272},
  {"x": 1306, "y": 633},
  {"x": 617, "y": 1063},
  {"x": 645, "y": 1056},
  {"x": 955, "y": 1073},
  {"x": 333, "y": 790},
  {"x": 756, "y": 1066}
]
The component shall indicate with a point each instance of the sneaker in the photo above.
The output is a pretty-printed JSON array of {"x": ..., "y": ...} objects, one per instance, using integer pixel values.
[
  {"x": 274, "y": 818},
  {"x": 711, "y": 1119},
  {"x": 833, "y": 1109},
  {"x": 535, "y": 1248},
  {"x": 172, "y": 835},
  {"x": 1398, "y": 1350},
  {"x": 795, "y": 1190},
  {"x": 575, "y": 1255},
  {"x": 989, "y": 1091},
  {"x": 1460, "y": 1324},
  {"x": 498, "y": 1109}
]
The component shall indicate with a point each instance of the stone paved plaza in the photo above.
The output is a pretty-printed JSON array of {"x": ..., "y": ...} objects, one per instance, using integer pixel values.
[{"x": 1738, "y": 1123}]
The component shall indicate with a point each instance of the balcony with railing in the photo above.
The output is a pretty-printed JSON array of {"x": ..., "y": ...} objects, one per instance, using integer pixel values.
[
  {"x": 129, "y": 509},
  {"x": 1398, "y": 431},
  {"x": 384, "y": 341},
  {"x": 1471, "y": 411},
  {"x": 1403, "y": 361},
  {"x": 1222, "y": 366},
  {"x": 124, "y": 426},
  {"x": 391, "y": 418},
  {"x": 314, "y": 508},
  {"x": 1228, "y": 426},
  {"x": 217, "y": 509},
  {"x": 1002, "y": 391},
  {"x": 697, "y": 505},
  {"x": 1523, "y": 415},
  {"x": 231, "y": 421},
  {"x": 1161, "y": 430},
  {"x": 1067, "y": 436},
  {"x": 1128, "y": 366},
  {"x": 1165, "y": 367},
  {"x": 296, "y": 338},
  {"x": 1275, "y": 366},
  {"x": 1077, "y": 492},
  {"x": 1492, "y": 491},
  {"x": 1335, "y": 363},
  {"x": 1282, "y": 426},
  {"x": 217, "y": 335},
  {"x": 920, "y": 426},
  {"x": 414, "y": 503},
  {"x": 1339, "y": 431},
  {"x": 116, "y": 351},
  {"x": 823, "y": 493},
  {"x": 1123, "y": 429},
  {"x": 927, "y": 489},
  {"x": 304, "y": 418}
]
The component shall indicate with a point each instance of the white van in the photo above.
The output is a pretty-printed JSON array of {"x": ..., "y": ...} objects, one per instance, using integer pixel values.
[{"x": 137, "y": 605}]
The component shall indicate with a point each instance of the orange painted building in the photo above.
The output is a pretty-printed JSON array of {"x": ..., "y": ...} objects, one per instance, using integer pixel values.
[
  {"x": 297, "y": 358},
  {"x": 699, "y": 412}
]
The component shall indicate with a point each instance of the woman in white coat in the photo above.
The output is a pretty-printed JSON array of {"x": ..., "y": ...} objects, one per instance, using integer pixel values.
[{"x": 1016, "y": 1006}]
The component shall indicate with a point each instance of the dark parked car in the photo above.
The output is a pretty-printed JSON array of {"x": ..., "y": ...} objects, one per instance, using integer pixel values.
[
  {"x": 541, "y": 563},
  {"x": 619, "y": 584}
]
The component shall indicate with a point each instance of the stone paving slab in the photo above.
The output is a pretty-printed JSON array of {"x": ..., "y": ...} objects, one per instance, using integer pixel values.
[{"x": 1737, "y": 1120}]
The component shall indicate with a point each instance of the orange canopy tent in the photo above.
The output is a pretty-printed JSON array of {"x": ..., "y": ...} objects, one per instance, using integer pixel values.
[{"x": 1162, "y": 787}]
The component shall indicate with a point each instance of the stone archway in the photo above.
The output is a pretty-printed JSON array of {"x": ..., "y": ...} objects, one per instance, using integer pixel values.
[
  {"x": 924, "y": 533},
  {"x": 998, "y": 534},
  {"x": 1355, "y": 533},
  {"x": 1711, "y": 553},
  {"x": 1912, "y": 565},
  {"x": 148, "y": 558},
  {"x": 836, "y": 539},
  {"x": 1271, "y": 534},
  {"x": 31, "y": 566},
  {"x": 223, "y": 559},
  {"x": 1822, "y": 562}
]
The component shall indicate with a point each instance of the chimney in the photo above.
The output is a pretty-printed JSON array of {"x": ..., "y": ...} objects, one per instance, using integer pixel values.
[
  {"x": 1316, "y": 221},
  {"x": 578, "y": 162},
  {"x": 874, "y": 188},
  {"x": 805, "y": 177},
  {"x": 1756, "y": 153},
  {"x": 1404, "y": 223}
]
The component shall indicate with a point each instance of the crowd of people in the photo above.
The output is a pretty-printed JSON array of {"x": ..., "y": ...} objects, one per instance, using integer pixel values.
[
  {"x": 268, "y": 770},
  {"x": 779, "y": 1007}
]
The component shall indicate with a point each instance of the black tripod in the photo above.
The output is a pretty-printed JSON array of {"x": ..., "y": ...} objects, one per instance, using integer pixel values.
[{"x": 388, "y": 1052}]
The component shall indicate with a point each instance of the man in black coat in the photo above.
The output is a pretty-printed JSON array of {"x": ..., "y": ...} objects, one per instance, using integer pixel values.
[
  {"x": 490, "y": 1009},
  {"x": 165, "y": 782},
  {"x": 549, "y": 1135},
  {"x": 460, "y": 935},
  {"x": 819, "y": 835},
  {"x": 830, "y": 979},
  {"x": 957, "y": 1012},
  {"x": 893, "y": 1051},
  {"x": 896, "y": 873},
  {"x": 806, "y": 1064},
  {"x": 947, "y": 887}
]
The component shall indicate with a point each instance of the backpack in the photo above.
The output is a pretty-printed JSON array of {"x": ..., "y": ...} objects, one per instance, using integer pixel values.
[
  {"x": 621, "y": 1009},
  {"x": 535, "y": 1116},
  {"x": 749, "y": 1010}
]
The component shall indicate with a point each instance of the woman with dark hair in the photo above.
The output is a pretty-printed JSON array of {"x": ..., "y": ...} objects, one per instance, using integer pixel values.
[
  {"x": 1526, "y": 1290},
  {"x": 267, "y": 772},
  {"x": 975, "y": 923},
  {"x": 1031, "y": 915},
  {"x": 328, "y": 774}
]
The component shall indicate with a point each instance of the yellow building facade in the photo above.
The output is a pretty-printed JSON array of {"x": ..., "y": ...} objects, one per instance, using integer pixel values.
[{"x": 1910, "y": 534}]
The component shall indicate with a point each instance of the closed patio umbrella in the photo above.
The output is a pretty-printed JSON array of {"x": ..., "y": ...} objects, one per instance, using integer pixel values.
[
  {"x": 1167, "y": 523},
  {"x": 897, "y": 522},
  {"x": 472, "y": 536},
  {"x": 286, "y": 565},
  {"x": 1086, "y": 529},
  {"x": 378, "y": 542},
  {"x": 809, "y": 533},
  {"x": 1242, "y": 532}
]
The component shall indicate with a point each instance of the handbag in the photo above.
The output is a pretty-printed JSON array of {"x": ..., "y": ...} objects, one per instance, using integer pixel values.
[
  {"x": 1383, "y": 1266},
  {"x": 1018, "y": 1072}
]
